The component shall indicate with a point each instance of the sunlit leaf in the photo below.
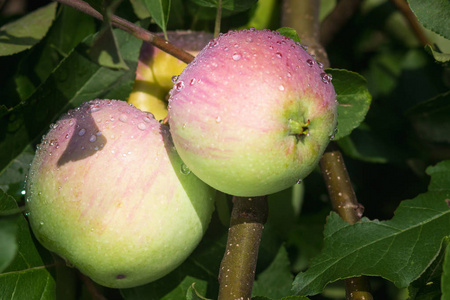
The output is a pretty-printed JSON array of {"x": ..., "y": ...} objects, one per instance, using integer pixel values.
[
  {"x": 24, "y": 33},
  {"x": 399, "y": 249},
  {"x": 289, "y": 32},
  {"x": 159, "y": 11}
]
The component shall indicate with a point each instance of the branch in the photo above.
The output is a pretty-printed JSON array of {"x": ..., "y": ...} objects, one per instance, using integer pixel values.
[
  {"x": 133, "y": 29},
  {"x": 403, "y": 7},
  {"x": 237, "y": 270},
  {"x": 336, "y": 19},
  {"x": 304, "y": 15}
]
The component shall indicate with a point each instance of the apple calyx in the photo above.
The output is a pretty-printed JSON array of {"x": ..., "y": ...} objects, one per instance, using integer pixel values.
[{"x": 298, "y": 128}]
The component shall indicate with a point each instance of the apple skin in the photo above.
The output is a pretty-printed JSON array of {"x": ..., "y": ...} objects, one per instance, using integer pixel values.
[
  {"x": 156, "y": 68},
  {"x": 108, "y": 192},
  {"x": 237, "y": 113}
]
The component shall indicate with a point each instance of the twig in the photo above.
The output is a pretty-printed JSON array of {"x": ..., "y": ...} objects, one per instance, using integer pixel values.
[
  {"x": 336, "y": 19},
  {"x": 133, "y": 29},
  {"x": 412, "y": 21},
  {"x": 218, "y": 19},
  {"x": 237, "y": 270},
  {"x": 332, "y": 165}
]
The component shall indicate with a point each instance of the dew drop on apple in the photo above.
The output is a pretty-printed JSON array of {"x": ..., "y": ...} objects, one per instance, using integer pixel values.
[
  {"x": 184, "y": 169},
  {"x": 326, "y": 78},
  {"x": 278, "y": 55},
  {"x": 281, "y": 87},
  {"x": 299, "y": 181},
  {"x": 192, "y": 82},
  {"x": 218, "y": 119},
  {"x": 236, "y": 56},
  {"x": 310, "y": 62},
  {"x": 174, "y": 78},
  {"x": 123, "y": 118},
  {"x": 93, "y": 138},
  {"x": 320, "y": 64},
  {"x": 142, "y": 126},
  {"x": 179, "y": 86},
  {"x": 81, "y": 132}
]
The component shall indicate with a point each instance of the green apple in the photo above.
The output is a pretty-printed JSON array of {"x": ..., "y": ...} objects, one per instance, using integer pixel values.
[
  {"x": 253, "y": 113},
  {"x": 156, "y": 68},
  {"x": 108, "y": 192}
]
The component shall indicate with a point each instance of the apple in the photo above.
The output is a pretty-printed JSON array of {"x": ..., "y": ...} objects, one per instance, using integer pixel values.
[
  {"x": 156, "y": 68},
  {"x": 253, "y": 113},
  {"x": 108, "y": 192}
]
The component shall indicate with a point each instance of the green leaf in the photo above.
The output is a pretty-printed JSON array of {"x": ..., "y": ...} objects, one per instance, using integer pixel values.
[
  {"x": 445, "y": 283},
  {"x": 29, "y": 276},
  {"x": 231, "y": 5},
  {"x": 354, "y": 100},
  {"x": 399, "y": 249},
  {"x": 276, "y": 281},
  {"x": 431, "y": 119},
  {"x": 428, "y": 285},
  {"x": 284, "y": 298},
  {"x": 290, "y": 33},
  {"x": 140, "y": 9},
  {"x": 193, "y": 294},
  {"x": 105, "y": 50},
  {"x": 159, "y": 10},
  {"x": 433, "y": 14},
  {"x": 24, "y": 33},
  {"x": 8, "y": 229},
  {"x": 438, "y": 56},
  {"x": 77, "y": 79}
]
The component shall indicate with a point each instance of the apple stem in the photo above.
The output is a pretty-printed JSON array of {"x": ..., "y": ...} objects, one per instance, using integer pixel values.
[
  {"x": 133, "y": 29},
  {"x": 218, "y": 19},
  {"x": 237, "y": 269},
  {"x": 303, "y": 16}
]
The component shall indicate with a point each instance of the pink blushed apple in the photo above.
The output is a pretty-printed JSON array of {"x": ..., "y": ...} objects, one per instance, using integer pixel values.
[
  {"x": 253, "y": 113},
  {"x": 107, "y": 192}
]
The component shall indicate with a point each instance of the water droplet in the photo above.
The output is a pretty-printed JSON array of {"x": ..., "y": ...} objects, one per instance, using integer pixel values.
[
  {"x": 289, "y": 74},
  {"x": 326, "y": 78},
  {"x": 225, "y": 49},
  {"x": 93, "y": 108},
  {"x": 299, "y": 181},
  {"x": 71, "y": 123},
  {"x": 249, "y": 39},
  {"x": 123, "y": 118},
  {"x": 179, "y": 86},
  {"x": 66, "y": 136},
  {"x": 81, "y": 132},
  {"x": 213, "y": 43},
  {"x": 174, "y": 78},
  {"x": 41, "y": 223},
  {"x": 281, "y": 87},
  {"x": 252, "y": 28},
  {"x": 278, "y": 54},
  {"x": 305, "y": 47},
  {"x": 93, "y": 138},
  {"x": 23, "y": 192},
  {"x": 184, "y": 169},
  {"x": 141, "y": 126},
  {"x": 98, "y": 133},
  {"x": 218, "y": 119},
  {"x": 320, "y": 64},
  {"x": 192, "y": 82},
  {"x": 310, "y": 62},
  {"x": 236, "y": 57},
  {"x": 147, "y": 119}
]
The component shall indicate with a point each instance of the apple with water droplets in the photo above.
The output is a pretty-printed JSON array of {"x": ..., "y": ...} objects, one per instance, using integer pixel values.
[
  {"x": 253, "y": 113},
  {"x": 108, "y": 192}
]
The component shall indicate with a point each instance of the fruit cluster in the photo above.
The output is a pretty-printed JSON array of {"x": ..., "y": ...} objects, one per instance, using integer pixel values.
[{"x": 110, "y": 191}]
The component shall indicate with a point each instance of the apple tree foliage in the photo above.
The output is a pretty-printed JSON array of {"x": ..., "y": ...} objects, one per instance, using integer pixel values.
[{"x": 393, "y": 128}]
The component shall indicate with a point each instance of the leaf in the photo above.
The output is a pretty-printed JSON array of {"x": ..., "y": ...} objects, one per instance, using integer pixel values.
[
  {"x": 159, "y": 10},
  {"x": 231, "y": 5},
  {"x": 77, "y": 79},
  {"x": 140, "y": 9},
  {"x": 276, "y": 281},
  {"x": 399, "y": 249},
  {"x": 29, "y": 275},
  {"x": 8, "y": 229},
  {"x": 431, "y": 119},
  {"x": 433, "y": 14},
  {"x": 284, "y": 298},
  {"x": 354, "y": 100},
  {"x": 445, "y": 283},
  {"x": 290, "y": 33},
  {"x": 105, "y": 51},
  {"x": 428, "y": 285},
  {"x": 193, "y": 294},
  {"x": 438, "y": 56},
  {"x": 27, "y": 31}
]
